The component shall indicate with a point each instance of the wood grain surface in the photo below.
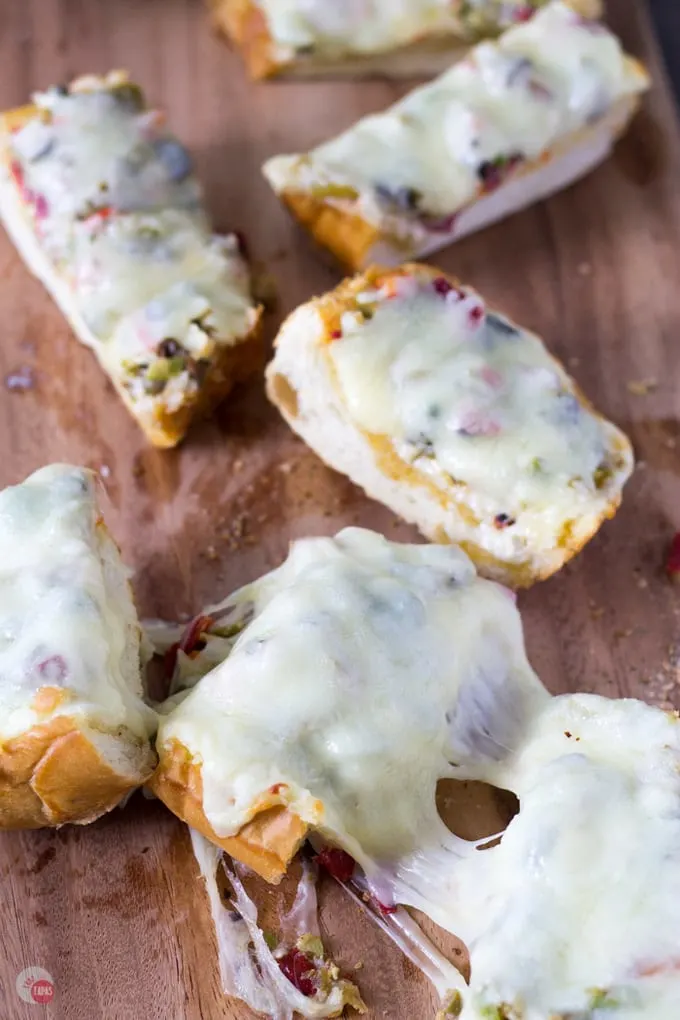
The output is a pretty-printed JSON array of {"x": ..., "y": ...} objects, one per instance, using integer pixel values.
[{"x": 113, "y": 911}]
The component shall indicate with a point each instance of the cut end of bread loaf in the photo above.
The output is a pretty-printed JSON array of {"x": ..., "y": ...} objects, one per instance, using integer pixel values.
[
  {"x": 231, "y": 365},
  {"x": 267, "y": 843},
  {"x": 64, "y": 772}
]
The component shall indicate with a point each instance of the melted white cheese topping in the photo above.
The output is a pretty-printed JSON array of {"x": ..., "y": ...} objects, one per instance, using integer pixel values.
[
  {"x": 118, "y": 212},
  {"x": 412, "y": 167},
  {"x": 345, "y": 688},
  {"x": 369, "y": 671},
  {"x": 574, "y": 914},
  {"x": 370, "y": 26},
  {"x": 67, "y": 619},
  {"x": 464, "y": 394}
]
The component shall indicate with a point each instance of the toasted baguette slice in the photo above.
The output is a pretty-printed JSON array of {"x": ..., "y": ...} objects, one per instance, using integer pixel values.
[
  {"x": 516, "y": 121},
  {"x": 454, "y": 417},
  {"x": 397, "y": 38},
  {"x": 74, "y": 729},
  {"x": 285, "y": 728},
  {"x": 103, "y": 207}
]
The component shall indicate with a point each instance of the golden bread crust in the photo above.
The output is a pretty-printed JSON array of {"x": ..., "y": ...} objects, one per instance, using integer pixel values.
[
  {"x": 53, "y": 774},
  {"x": 245, "y": 24},
  {"x": 267, "y": 843}
]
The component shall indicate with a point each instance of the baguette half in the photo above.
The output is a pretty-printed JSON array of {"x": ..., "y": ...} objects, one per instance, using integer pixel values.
[
  {"x": 516, "y": 121},
  {"x": 278, "y": 43},
  {"x": 182, "y": 328},
  {"x": 519, "y": 531},
  {"x": 74, "y": 729}
]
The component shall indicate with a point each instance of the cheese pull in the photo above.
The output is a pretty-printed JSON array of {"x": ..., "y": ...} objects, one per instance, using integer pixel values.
[
  {"x": 102, "y": 203},
  {"x": 74, "y": 728},
  {"x": 335, "y": 706},
  {"x": 328, "y": 698},
  {"x": 455, "y": 417},
  {"x": 398, "y": 38},
  {"x": 518, "y": 119}
]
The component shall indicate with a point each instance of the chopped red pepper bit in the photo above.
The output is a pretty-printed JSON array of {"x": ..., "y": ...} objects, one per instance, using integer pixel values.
[
  {"x": 337, "y": 863},
  {"x": 524, "y": 13},
  {"x": 384, "y": 909},
  {"x": 442, "y": 285},
  {"x": 299, "y": 969},
  {"x": 336, "y": 334},
  {"x": 191, "y": 638},
  {"x": 476, "y": 314},
  {"x": 17, "y": 172},
  {"x": 673, "y": 560},
  {"x": 53, "y": 669}
]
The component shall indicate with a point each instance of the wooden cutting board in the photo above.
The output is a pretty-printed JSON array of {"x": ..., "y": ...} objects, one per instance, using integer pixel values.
[{"x": 113, "y": 911}]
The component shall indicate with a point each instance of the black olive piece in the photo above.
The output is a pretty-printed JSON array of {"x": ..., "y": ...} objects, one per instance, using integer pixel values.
[
  {"x": 500, "y": 325},
  {"x": 503, "y": 521},
  {"x": 169, "y": 348},
  {"x": 174, "y": 157},
  {"x": 405, "y": 199}
]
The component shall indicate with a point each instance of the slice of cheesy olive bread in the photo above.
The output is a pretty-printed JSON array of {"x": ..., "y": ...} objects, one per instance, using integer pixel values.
[
  {"x": 339, "y": 689},
  {"x": 74, "y": 729},
  {"x": 346, "y": 681},
  {"x": 518, "y": 119},
  {"x": 456, "y": 418},
  {"x": 393, "y": 37},
  {"x": 102, "y": 204}
]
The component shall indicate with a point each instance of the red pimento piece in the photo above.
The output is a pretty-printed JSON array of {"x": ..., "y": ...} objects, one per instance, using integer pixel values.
[
  {"x": 442, "y": 285},
  {"x": 42, "y": 209},
  {"x": 17, "y": 172},
  {"x": 476, "y": 315},
  {"x": 337, "y": 863},
  {"x": 191, "y": 638},
  {"x": 299, "y": 969},
  {"x": 384, "y": 909},
  {"x": 673, "y": 560},
  {"x": 524, "y": 13},
  {"x": 189, "y": 642},
  {"x": 336, "y": 334},
  {"x": 53, "y": 669}
]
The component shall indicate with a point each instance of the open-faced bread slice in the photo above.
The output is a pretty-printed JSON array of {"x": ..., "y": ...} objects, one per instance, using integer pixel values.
[
  {"x": 515, "y": 121},
  {"x": 344, "y": 685},
  {"x": 74, "y": 729},
  {"x": 102, "y": 204},
  {"x": 398, "y": 38},
  {"x": 453, "y": 416},
  {"x": 317, "y": 707}
]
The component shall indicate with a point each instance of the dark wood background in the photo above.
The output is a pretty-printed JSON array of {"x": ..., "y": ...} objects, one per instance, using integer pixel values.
[{"x": 113, "y": 911}]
